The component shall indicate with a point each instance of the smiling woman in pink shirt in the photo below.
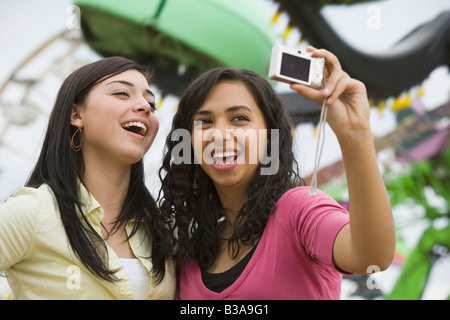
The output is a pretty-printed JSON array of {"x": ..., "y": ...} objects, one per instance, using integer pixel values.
[{"x": 246, "y": 226}]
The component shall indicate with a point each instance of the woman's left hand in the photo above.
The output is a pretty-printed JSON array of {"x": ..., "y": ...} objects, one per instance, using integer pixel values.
[
  {"x": 349, "y": 109},
  {"x": 369, "y": 238}
]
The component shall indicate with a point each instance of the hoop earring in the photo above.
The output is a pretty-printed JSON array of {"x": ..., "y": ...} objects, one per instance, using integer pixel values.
[{"x": 72, "y": 145}]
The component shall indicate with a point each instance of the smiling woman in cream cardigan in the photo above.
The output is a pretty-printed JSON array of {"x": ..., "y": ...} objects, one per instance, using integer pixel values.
[{"x": 85, "y": 226}]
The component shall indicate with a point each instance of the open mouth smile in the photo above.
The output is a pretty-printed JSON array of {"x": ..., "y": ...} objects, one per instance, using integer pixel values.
[
  {"x": 135, "y": 127},
  {"x": 224, "y": 158}
]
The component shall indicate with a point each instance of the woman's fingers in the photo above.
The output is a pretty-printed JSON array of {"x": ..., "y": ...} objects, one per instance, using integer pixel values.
[
  {"x": 332, "y": 62},
  {"x": 308, "y": 92},
  {"x": 336, "y": 87},
  {"x": 336, "y": 80}
]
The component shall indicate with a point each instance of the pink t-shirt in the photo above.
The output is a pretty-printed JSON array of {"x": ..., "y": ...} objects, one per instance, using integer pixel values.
[{"x": 293, "y": 259}]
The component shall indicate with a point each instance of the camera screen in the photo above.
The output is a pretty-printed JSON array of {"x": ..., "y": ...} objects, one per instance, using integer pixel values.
[{"x": 295, "y": 67}]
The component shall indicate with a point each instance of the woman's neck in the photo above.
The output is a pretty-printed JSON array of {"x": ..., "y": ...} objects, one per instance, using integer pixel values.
[
  {"x": 108, "y": 185},
  {"x": 232, "y": 199}
]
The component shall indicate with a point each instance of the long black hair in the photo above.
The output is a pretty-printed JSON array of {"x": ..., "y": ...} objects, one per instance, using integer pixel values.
[
  {"x": 61, "y": 168},
  {"x": 189, "y": 195}
]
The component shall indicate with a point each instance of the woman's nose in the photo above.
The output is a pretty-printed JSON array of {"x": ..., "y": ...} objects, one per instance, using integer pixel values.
[
  {"x": 142, "y": 105},
  {"x": 221, "y": 132}
]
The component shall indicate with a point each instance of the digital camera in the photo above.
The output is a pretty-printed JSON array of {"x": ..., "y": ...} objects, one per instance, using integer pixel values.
[{"x": 292, "y": 66}]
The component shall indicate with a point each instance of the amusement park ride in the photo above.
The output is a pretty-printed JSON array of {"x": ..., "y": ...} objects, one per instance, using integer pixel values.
[{"x": 182, "y": 39}]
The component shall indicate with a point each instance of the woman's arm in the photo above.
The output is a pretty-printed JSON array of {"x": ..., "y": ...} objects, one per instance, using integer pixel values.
[
  {"x": 19, "y": 216},
  {"x": 369, "y": 238}
]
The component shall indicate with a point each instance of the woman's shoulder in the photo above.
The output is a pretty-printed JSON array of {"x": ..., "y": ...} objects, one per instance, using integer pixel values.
[
  {"x": 302, "y": 195},
  {"x": 298, "y": 204},
  {"x": 28, "y": 200},
  {"x": 21, "y": 219},
  {"x": 34, "y": 193}
]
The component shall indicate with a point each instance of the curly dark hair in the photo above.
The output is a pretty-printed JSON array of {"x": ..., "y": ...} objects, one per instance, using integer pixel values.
[{"x": 188, "y": 194}]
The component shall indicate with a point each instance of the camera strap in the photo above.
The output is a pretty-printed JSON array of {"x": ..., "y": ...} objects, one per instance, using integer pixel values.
[{"x": 319, "y": 147}]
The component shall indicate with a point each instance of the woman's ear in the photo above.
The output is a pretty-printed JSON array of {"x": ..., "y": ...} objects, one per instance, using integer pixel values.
[{"x": 75, "y": 118}]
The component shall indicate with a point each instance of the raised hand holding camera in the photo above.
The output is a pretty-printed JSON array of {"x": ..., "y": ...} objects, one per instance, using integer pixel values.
[{"x": 294, "y": 66}]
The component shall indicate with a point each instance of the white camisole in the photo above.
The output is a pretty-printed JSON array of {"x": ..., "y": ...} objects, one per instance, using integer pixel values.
[{"x": 139, "y": 277}]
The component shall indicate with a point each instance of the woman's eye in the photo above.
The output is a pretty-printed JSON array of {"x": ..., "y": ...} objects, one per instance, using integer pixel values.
[
  {"x": 239, "y": 118},
  {"x": 121, "y": 93},
  {"x": 202, "y": 122}
]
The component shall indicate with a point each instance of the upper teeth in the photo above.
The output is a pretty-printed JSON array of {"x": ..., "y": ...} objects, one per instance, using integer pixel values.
[
  {"x": 135, "y": 124},
  {"x": 225, "y": 154}
]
